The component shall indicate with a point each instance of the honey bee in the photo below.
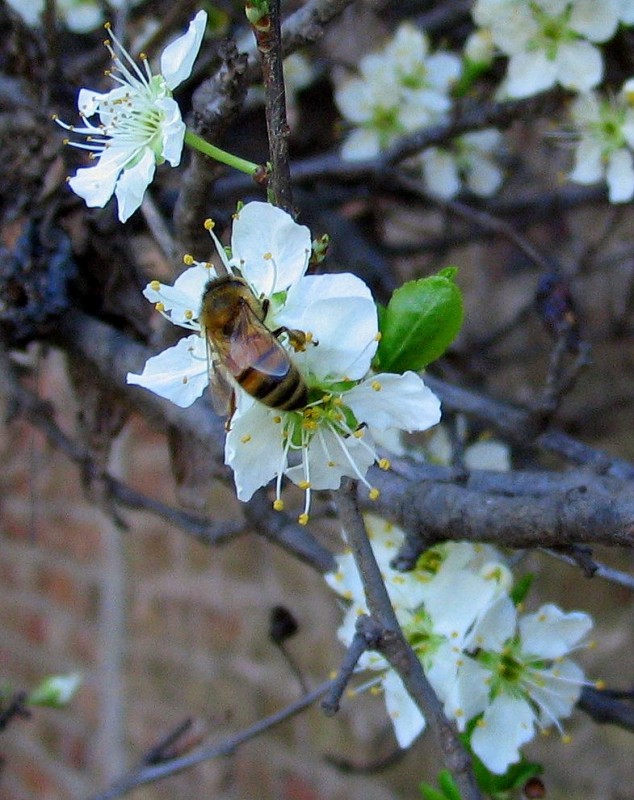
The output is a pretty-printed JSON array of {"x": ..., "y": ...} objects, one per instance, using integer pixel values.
[{"x": 242, "y": 347}]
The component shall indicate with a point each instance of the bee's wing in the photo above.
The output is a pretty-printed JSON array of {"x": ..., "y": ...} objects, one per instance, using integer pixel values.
[
  {"x": 220, "y": 385},
  {"x": 253, "y": 346}
]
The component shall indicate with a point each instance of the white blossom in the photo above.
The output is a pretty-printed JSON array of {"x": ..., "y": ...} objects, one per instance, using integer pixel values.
[
  {"x": 517, "y": 678},
  {"x": 332, "y": 436},
  {"x": 140, "y": 124},
  {"x": 469, "y": 162},
  {"x": 399, "y": 89},
  {"x": 437, "y": 604},
  {"x": 549, "y": 41},
  {"x": 606, "y": 141}
]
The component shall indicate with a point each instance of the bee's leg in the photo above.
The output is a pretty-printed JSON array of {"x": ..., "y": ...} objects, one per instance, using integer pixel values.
[
  {"x": 298, "y": 339},
  {"x": 232, "y": 411}
]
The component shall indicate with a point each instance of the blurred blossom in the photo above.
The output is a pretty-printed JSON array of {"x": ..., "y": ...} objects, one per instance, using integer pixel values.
[
  {"x": 399, "y": 89},
  {"x": 550, "y": 42},
  {"x": 606, "y": 141}
]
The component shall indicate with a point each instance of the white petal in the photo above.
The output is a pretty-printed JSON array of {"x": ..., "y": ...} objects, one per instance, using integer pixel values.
[
  {"x": 488, "y": 455},
  {"x": 361, "y": 144},
  {"x": 627, "y": 12},
  {"x": 96, "y": 184},
  {"x": 455, "y": 600},
  {"x": 579, "y": 65},
  {"x": 595, "y": 21},
  {"x": 351, "y": 99},
  {"x": 506, "y": 725},
  {"x": 82, "y": 18},
  {"x": 406, "y": 717},
  {"x": 179, "y": 374},
  {"x": 339, "y": 311},
  {"x": 394, "y": 401},
  {"x": 484, "y": 177},
  {"x": 177, "y": 60},
  {"x": 620, "y": 176},
  {"x": 440, "y": 172},
  {"x": 557, "y": 690},
  {"x": 346, "y": 581},
  {"x": 468, "y": 694},
  {"x": 551, "y": 633},
  {"x": 330, "y": 457},
  {"x": 88, "y": 101},
  {"x": 529, "y": 73},
  {"x": 172, "y": 130},
  {"x": 260, "y": 230},
  {"x": 588, "y": 162},
  {"x": 132, "y": 184},
  {"x": 442, "y": 70},
  {"x": 253, "y": 448},
  {"x": 495, "y": 626},
  {"x": 182, "y": 300}
]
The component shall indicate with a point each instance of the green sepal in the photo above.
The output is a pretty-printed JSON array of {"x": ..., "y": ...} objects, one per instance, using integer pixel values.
[
  {"x": 521, "y": 589},
  {"x": 419, "y": 323},
  {"x": 448, "y": 789},
  {"x": 471, "y": 71}
]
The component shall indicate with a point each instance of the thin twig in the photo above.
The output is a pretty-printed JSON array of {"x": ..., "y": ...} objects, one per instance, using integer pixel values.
[
  {"x": 268, "y": 34},
  {"x": 150, "y": 774}
]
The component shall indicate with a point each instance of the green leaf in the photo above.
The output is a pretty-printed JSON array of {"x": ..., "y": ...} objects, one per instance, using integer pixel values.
[
  {"x": 448, "y": 788},
  {"x": 421, "y": 320},
  {"x": 448, "y": 785},
  {"x": 429, "y": 793},
  {"x": 521, "y": 588}
]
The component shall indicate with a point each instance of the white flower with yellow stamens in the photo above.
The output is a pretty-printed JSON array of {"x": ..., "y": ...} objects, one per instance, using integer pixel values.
[{"x": 140, "y": 123}]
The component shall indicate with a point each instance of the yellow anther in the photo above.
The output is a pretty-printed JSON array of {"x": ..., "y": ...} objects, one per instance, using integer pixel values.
[
  {"x": 143, "y": 56},
  {"x": 374, "y": 493},
  {"x": 308, "y": 336},
  {"x": 378, "y": 336},
  {"x": 277, "y": 420},
  {"x": 246, "y": 438},
  {"x": 600, "y": 684},
  {"x": 209, "y": 224},
  {"x": 303, "y": 519},
  {"x": 278, "y": 504},
  {"x": 189, "y": 314},
  {"x": 458, "y": 712},
  {"x": 304, "y": 485},
  {"x": 107, "y": 25},
  {"x": 384, "y": 463},
  {"x": 188, "y": 259},
  {"x": 358, "y": 434},
  {"x": 65, "y": 140},
  {"x": 375, "y": 690},
  {"x": 155, "y": 286},
  {"x": 566, "y": 738},
  {"x": 481, "y": 723},
  {"x": 376, "y": 386},
  {"x": 160, "y": 307},
  {"x": 267, "y": 256},
  {"x": 332, "y": 463}
]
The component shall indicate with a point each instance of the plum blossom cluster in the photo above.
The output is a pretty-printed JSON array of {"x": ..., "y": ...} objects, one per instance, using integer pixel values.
[
  {"x": 404, "y": 88},
  {"x": 140, "y": 123},
  {"x": 605, "y": 150},
  {"x": 550, "y": 42},
  {"x": 331, "y": 437},
  {"x": 499, "y": 672}
]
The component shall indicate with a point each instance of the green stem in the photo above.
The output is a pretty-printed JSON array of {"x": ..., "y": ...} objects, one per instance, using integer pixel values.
[{"x": 241, "y": 164}]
